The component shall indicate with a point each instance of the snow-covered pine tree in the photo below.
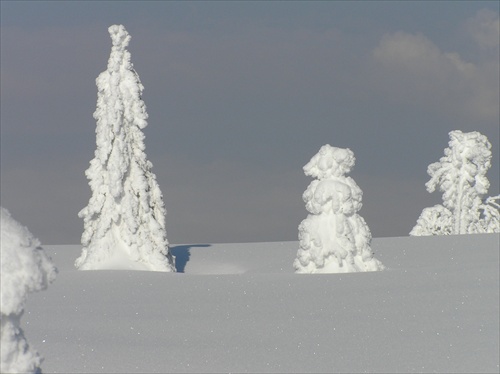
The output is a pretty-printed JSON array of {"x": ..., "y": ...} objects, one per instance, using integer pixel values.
[
  {"x": 461, "y": 175},
  {"x": 334, "y": 238},
  {"x": 124, "y": 221},
  {"x": 25, "y": 268}
]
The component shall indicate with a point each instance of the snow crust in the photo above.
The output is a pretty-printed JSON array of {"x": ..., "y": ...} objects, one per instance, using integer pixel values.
[
  {"x": 461, "y": 176},
  {"x": 124, "y": 221},
  {"x": 334, "y": 238},
  {"x": 227, "y": 311},
  {"x": 25, "y": 268}
]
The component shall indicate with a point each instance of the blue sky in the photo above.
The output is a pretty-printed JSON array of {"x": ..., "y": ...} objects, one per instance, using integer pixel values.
[{"x": 240, "y": 96}]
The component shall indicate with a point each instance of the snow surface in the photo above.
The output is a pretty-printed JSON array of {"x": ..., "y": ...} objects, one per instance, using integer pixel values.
[{"x": 241, "y": 308}]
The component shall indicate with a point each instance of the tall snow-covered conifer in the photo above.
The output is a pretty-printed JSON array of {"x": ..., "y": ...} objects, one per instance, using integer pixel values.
[
  {"x": 124, "y": 221},
  {"x": 334, "y": 238},
  {"x": 461, "y": 175}
]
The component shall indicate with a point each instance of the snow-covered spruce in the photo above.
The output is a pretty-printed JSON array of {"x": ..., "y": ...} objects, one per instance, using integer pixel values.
[
  {"x": 25, "y": 268},
  {"x": 334, "y": 238},
  {"x": 461, "y": 175},
  {"x": 124, "y": 221}
]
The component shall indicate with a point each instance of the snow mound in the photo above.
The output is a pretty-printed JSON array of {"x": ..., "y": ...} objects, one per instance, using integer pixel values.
[{"x": 25, "y": 268}]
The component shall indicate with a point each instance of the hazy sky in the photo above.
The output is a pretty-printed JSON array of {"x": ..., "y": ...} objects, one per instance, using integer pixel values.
[{"x": 240, "y": 96}]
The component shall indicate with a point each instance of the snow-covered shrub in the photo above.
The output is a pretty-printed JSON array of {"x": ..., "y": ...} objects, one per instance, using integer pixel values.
[
  {"x": 490, "y": 221},
  {"x": 124, "y": 221},
  {"x": 25, "y": 268},
  {"x": 334, "y": 238},
  {"x": 437, "y": 217},
  {"x": 461, "y": 175}
]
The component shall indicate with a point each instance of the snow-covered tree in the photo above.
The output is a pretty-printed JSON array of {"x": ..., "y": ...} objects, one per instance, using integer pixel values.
[
  {"x": 25, "y": 268},
  {"x": 334, "y": 238},
  {"x": 461, "y": 175},
  {"x": 124, "y": 221}
]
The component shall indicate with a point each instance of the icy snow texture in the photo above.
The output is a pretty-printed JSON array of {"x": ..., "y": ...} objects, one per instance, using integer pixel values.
[
  {"x": 333, "y": 238},
  {"x": 124, "y": 222},
  {"x": 461, "y": 176},
  {"x": 25, "y": 268}
]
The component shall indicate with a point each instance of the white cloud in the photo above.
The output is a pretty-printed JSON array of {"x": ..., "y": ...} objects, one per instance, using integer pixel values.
[
  {"x": 484, "y": 28},
  {"x": 414, "y": 68},
  {"x": 419, "y": 56}
]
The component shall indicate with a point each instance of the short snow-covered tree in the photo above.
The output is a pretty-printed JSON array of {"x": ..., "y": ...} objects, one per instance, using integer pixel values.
[
  {"x": 333, "y": 238},
  {"x": 124, "y": 221},
  {"x": 25, "y": 268},
  {"x": 461, "y": 175}
]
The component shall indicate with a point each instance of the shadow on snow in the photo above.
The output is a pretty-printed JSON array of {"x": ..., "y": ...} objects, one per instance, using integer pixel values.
[{"x": 182, "y": 254}]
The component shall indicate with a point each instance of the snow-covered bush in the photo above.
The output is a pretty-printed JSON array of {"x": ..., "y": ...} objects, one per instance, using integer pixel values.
[
  {"x": 461, "y": 175},
  {"x": 490, "y": 221},
  {"x": 124, "y": 221},
  {"x": 25, "y": 268},
  {"x": 334, "y": 238},
  {"x": 437, "y": 217}
]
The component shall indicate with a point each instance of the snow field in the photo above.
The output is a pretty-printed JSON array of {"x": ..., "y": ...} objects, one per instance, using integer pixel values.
[{"x": 241, "y": 308}]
